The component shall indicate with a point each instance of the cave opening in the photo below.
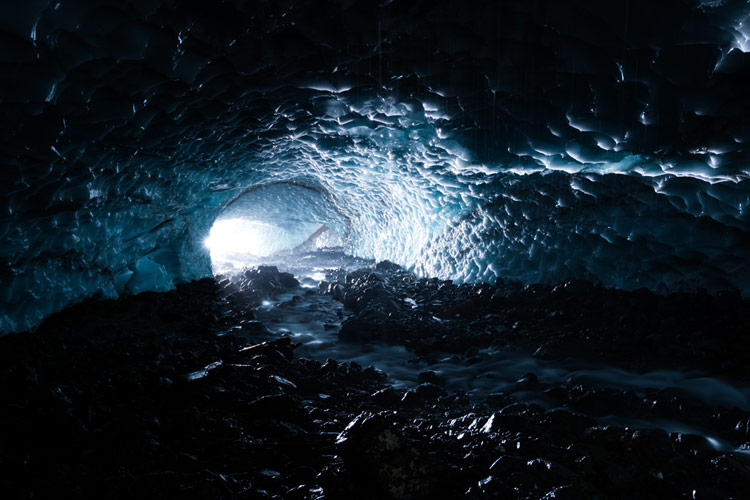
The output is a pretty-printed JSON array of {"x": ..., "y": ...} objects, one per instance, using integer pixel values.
[
  {"x": 278, "y": 223},
  {"x": 236, "y": 244}
]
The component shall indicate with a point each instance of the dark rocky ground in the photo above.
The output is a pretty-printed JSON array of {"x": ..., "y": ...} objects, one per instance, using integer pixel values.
[{"x": 185, "y": 394}]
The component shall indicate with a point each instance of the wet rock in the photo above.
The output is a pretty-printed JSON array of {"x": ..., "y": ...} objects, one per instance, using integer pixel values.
[
  {"x": 691, "y": 443},
  {"x": 564, "y": 426},
  {"x": 467, "y": 307},
  {"x": 100, "y": 393},
  {"x": 330, "y": 366},
  {"x": 282, "y": 348},
  {"x": 387, "y": 398},
  {"x": 652, "y": 444},
  {"x": 387, "y": 265},
  {"x": 527, "y": 382},
  {"x": 411, "y": 400},
  {"x": 375, "y": 450},
  {"x": 616, "y": 476},
  {"x": 431, "y": 377},
  {"x": 549, "y": 473},
  {"x": 600, "y": 401},
  {"x": 506, "y": 465},
  {"x": 731, "y": 471},
  {"x": 279, "y": 406},
  {"x": 429, "y": 392},
  {"x": 567, "y": 492},
  {"x": 742, "y": 429},
  {"x": 260, "y": 283},
  {"x": 491, "y": 487}
]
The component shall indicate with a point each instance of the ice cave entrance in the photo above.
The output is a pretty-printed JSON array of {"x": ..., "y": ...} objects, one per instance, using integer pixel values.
[
  {"x": 237, "y": 243},
  {"x": 276, "y": 224}
]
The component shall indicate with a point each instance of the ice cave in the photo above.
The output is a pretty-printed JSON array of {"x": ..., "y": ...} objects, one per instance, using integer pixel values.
[{"x": 376, "y": 249}]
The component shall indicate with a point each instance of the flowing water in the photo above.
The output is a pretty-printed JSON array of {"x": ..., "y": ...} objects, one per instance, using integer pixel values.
[{"x": 313, "y": 320}]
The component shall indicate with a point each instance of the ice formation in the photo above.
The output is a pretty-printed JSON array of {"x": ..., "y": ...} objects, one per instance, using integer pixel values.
[
  {"x": 539, "y": 141},
  {"x": 273, "y": 218}
]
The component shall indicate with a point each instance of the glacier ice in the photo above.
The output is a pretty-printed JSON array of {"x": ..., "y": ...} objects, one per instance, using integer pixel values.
[
  {"x": 534, "y": 142},
  {"x": 269, "y": 218}
]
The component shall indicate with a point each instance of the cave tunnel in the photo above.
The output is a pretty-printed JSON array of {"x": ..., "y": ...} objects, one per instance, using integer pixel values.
[
  {"x": 272, "y": 219},
  {"x": 528, "y": 221}
]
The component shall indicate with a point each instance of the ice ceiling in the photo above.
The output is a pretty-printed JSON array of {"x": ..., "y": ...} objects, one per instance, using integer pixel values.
[{"x": 531, "y": 140}]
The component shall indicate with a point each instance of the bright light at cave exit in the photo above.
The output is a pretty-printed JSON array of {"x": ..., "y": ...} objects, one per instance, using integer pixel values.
[{"x": 240, "y": 237}]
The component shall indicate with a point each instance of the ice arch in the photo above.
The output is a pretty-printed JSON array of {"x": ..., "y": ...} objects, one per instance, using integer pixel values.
[
  {"x": 528, "y": 140},
  {"x": 271, "y": 218}
]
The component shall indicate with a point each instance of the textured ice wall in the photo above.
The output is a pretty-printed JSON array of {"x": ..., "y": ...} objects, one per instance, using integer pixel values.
[
  {"x": 534, "y": 140},
  {"x": 617, "y": 230}
]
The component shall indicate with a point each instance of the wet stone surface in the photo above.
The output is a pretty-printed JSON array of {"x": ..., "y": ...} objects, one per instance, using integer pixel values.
[
  {"x": 187, "y": 393},
  {"x": 634, "y": 330}
]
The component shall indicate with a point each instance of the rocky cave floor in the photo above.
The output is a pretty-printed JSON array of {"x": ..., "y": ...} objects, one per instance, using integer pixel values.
[{"x": 187, "y": 393}]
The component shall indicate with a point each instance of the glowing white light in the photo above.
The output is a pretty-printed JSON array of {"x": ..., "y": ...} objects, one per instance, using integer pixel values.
[
  {"x": 236, "y": 243},
  {"x": 240, "y": 236}
]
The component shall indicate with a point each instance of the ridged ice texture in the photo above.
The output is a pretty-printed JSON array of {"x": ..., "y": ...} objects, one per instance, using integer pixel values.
[{"x": 538, "y": 140}]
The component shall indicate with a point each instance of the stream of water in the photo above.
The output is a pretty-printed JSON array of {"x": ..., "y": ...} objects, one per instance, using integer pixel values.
[{"x": 313, "y": 320}]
